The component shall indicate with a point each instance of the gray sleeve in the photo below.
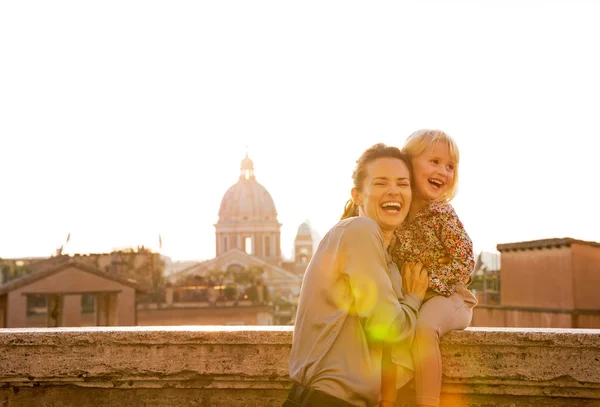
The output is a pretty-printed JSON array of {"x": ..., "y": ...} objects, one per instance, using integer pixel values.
[{"x": 383, "y": 316}]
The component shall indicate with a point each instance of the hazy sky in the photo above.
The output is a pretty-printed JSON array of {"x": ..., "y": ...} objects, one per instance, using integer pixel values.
[{"x": 120, "y": 120}]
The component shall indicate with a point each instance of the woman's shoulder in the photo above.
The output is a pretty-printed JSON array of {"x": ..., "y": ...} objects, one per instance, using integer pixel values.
[
  {"x": 356, "y": 229},
  {"x": 358, "y": 233},
  {"x": 359, "y": 224}
]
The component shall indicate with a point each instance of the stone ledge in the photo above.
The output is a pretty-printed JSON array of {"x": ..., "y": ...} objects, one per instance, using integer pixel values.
[{"x": 247, "y": 366}]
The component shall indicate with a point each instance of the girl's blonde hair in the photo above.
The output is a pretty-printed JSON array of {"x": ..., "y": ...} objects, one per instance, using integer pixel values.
[{"x": 418, "y": 141}]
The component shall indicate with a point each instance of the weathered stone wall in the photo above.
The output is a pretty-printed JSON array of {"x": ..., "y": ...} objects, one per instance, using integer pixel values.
[
  {"x": 244, "y": 315},
  {"x": 247, "y": 366}
]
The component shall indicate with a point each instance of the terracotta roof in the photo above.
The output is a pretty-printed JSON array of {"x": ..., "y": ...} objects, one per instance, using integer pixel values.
[
  {"x": 43, "y": 273},
  {"x": 544, "y": 244},
  {"x": 48, "y": 263}
]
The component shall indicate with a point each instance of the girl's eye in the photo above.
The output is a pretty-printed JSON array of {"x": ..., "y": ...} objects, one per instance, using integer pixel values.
[
  {"x": 435, "y": 161},
  {"x": 451, "y": 167}
]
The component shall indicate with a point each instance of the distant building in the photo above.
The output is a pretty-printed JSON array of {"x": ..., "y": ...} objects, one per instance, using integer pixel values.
[
  {"x": 14, "y": 268},
  {"x": 57, "y": 295},
  {"x": 486, "y": 278},
  {"x": 248, "y": 275},
  {"x": 140, "y": 264},
  {"x": 248, "y": 237},
  {"x": 546, "y": 283},
  {"x": 248, "y": 219},
  {"x": 304, "y": 247}
]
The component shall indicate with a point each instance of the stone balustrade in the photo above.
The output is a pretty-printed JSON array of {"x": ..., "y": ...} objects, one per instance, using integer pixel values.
[{"x": 247, "y": 366}]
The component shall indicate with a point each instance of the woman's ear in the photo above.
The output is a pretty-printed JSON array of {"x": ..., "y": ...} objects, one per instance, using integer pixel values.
[{"x": 356, "y": 197}]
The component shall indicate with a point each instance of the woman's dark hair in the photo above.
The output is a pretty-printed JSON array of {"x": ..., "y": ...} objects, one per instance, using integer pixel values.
[{"x": 371, "y": 154}]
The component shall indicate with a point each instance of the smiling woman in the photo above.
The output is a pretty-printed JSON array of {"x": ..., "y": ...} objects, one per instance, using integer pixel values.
[
  {"x": 385, "y": 194},
  {"x": 372, "y": 175},
  {"x": 352, "y": 300}
]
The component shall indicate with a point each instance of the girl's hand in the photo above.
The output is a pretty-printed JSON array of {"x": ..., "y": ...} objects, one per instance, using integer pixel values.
[
  {"x": 444, "y": 260},
  {"x": 414, "y": 279}
]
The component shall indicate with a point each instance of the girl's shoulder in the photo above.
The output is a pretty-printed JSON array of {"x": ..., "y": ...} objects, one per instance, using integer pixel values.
[{"x": 440, "y": 207}]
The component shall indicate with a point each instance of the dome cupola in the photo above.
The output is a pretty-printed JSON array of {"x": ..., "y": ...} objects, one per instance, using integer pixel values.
[
  {"x": 247, "y": 169},
  {"x": 247, "y": 200}
]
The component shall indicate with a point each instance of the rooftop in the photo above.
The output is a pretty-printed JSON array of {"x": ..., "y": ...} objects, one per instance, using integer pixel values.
[{"x": 544, "y": 244}]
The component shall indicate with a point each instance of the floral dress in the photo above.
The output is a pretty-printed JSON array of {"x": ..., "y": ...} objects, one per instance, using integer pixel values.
[{"x": 436, "y": 232}]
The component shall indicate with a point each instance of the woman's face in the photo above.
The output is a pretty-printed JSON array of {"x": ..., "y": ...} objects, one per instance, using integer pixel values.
[
  {"x": 386, "y": 195},
  {"x": 433, "y": 172}
]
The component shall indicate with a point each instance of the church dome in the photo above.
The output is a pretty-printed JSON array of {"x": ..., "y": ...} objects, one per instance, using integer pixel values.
[{"x": 247, "y": 200}]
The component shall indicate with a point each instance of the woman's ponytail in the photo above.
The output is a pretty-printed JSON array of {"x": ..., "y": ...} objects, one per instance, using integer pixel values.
[{"x": 350, "y": 209}]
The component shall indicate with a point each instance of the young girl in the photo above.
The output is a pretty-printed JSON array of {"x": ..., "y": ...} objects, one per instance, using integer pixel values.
[{"x": 433, "y": 235}]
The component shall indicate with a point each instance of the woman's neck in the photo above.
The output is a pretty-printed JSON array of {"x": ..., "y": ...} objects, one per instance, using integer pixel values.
[{"x": 388, "y": 235}]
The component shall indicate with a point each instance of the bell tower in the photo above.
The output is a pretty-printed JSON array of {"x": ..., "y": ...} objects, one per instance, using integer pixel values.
[{"x": 303, "y": 247}]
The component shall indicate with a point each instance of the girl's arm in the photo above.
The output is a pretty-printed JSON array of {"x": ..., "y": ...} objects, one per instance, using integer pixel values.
[{"x": 459, "y": 249}]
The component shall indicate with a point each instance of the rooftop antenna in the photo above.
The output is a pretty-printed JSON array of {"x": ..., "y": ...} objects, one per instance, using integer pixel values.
[{"x": 60, "y": 250}]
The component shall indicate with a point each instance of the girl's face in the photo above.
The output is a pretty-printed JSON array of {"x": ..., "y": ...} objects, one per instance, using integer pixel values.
[
  {"x": 386, "y": 194},
  {"x": 433, "y": 172}
]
